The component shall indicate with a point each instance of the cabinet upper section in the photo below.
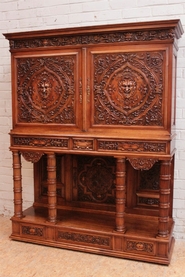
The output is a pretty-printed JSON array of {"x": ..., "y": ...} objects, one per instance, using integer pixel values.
[{"x": 112, "y": 81}]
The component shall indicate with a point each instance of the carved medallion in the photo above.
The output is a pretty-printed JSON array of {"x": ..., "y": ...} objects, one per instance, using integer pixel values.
[
  {"x": 33, "y": 231},
  {"x": 140, "y": 246},
  {"x": 45, "y": 92},
  {"x": 128, "y": 88}
]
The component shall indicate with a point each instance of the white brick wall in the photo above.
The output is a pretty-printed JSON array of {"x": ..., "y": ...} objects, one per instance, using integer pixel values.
[{"x": 22, "y": 15}]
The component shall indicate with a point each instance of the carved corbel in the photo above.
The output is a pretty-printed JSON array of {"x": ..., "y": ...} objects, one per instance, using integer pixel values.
[
  {"x": 142, "y": 163},
  {"x": 32, "y": 156}
]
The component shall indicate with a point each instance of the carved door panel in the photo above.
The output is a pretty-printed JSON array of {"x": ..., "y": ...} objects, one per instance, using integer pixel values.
[
  {"x": 47, "y": 90},
  {"x": 127, "y": 88}
]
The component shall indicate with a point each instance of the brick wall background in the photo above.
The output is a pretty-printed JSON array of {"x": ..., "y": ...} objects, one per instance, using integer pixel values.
[{"x": 25, "y": 15}]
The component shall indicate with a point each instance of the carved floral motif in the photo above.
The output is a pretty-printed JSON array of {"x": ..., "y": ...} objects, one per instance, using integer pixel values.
[{"x": 45, "y": 90}]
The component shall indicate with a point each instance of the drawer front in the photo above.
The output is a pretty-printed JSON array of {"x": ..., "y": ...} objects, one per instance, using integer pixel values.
[
  {"x": 138, "y": 246},
  {"x": 33, "y": 231},
  {"x": 93, "y": 240}
]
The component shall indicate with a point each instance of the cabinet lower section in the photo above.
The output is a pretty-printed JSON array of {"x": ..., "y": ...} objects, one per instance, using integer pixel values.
[{"x": 96, "y": 233}]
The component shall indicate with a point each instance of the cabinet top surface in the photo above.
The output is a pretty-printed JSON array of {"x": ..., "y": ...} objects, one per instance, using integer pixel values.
[{"x": 173, "y": 25}]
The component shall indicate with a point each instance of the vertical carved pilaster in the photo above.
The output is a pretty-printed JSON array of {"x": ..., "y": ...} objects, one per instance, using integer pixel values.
[
  {"x": 120, "y": 194},
  {"x": 51, "y": 180},
  {"x": 164, "y": 202},
  {"x": 17, "y": 186}
]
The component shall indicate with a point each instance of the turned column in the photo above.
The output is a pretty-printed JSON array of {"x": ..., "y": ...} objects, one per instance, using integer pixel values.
[
  {"x": 120, "y": 194},
  {"x": 164, "y": 200},
  {"x": 51, "y": 181},
  {"x": 17, "y": 186}
]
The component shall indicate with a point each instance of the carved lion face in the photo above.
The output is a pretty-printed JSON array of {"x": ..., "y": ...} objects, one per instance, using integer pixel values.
[{"x": 127, "y": 87}]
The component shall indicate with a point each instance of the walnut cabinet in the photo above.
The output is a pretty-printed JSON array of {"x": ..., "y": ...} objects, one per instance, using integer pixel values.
[{"x": 94, "y": 111}]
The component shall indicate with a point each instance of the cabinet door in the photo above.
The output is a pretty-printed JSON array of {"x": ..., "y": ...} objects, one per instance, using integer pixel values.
[
  {"x": 47, "y": 89},
  {"x": 127, "y": 85}
]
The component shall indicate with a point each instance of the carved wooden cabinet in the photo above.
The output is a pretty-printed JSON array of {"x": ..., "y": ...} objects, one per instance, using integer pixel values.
[{"x": 94, "y": 111}]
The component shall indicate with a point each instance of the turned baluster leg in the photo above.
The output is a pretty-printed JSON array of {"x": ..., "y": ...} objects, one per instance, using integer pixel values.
[
  {"x": 51, "y": 180},
  {"x": 17, "y": 178},
  {"x": 164, "y": 201},
  {"x": 120, "y": 194}
]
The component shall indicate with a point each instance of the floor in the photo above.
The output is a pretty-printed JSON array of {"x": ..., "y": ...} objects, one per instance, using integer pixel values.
[{"x": 18, "y": 259}]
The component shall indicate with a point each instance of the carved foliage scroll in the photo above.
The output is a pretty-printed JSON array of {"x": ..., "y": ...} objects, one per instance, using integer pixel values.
[
  {"x": 128, "y": 88},
  {"x": 84, "y": 238},
  {"x": 131, "y": 146},
  {"x": 94, "y": 39},
  {"x": 45, "y": 91}
]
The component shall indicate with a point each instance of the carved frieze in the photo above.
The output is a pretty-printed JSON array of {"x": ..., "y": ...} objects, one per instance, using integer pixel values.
[
  {"x": 131, "y": 146},
  {"x": 84, "y": 238},
  {"x": 140, "y": 246},
  {"x": 40, "y": 142},
  {"x": 142, "y": 163},
  {"x": 111, "y": 37},
  {"x": 33, "y": 157},
  {"x": 45, "y": 89},
  {"x": 128, "y": 88}
]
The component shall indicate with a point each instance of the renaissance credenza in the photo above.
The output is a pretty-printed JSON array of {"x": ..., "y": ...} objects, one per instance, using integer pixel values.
[{"x": 94, "y": 111}]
